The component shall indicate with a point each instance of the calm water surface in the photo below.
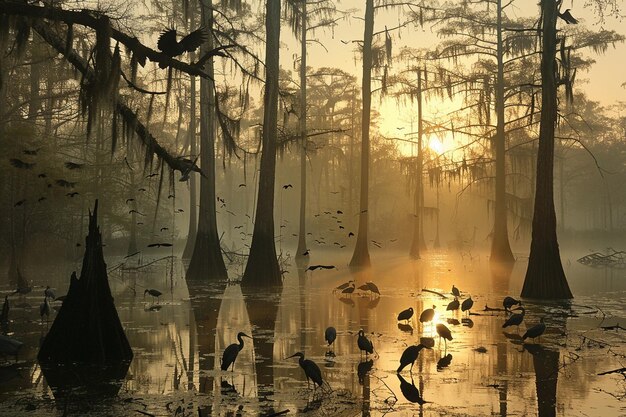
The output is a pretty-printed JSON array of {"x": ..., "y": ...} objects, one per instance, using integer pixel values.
[{"x": 175, "y": 341}]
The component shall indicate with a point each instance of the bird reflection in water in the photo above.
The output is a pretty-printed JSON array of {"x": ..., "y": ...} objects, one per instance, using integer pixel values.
[
  {"x": 363, "y": 369},
  {"x": 444, "y": 362},
  {"x": 467, "y": 322},
  {"x": 410, "y": 391},
  {"x": 407, "y": 328}
]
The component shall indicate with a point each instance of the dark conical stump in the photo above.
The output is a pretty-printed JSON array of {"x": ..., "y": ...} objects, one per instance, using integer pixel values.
[{"x": 87, "y": 329}]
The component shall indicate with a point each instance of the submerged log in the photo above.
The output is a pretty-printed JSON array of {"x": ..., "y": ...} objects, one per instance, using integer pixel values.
[{"x": 87, "y": 328}]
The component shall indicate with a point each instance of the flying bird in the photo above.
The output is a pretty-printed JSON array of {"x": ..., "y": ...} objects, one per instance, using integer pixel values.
[
  {"x": 18, "y": 163},
  {"x": 158, "y": 245},
  {"x": 165, "y": 228},
  {"x": 170, "y": 46},
  {"x": 350, "y": 234},
  {"x": 316, "y": 267},
  {"x": 154, "y": 174},
  {"x": 567, "y": 17},
  {"x": 135, "y": 211},
  {"x": 242, "y": 185},
  {"x": 73, "y": 165},
  {"x": 128, "y": 200},
  {"x": 287, "y": 186},
  {"x": 19, "y": 203}
]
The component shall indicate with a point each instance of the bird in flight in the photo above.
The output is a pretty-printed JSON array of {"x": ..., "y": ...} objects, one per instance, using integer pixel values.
[
  {"x": 135, "y": 211},
  {"x": 170, "y": 46},
  {"x": 287, "y": 186},
  {"x": 158, "y": 245},
  {"x": 18, "y": 163},
  {"x": 567, "y": 17}
]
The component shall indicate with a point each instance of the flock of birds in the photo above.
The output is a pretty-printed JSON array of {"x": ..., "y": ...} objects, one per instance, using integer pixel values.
[{"x": 410, "y": 355}]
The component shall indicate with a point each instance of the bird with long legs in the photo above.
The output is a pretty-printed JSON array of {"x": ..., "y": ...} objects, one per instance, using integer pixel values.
[
  {"x": 153, "y": 293},
  {"x": 311, "y": 370},
  {"x": 443, "y": 331},
  {"x": 232, "y": 351},
  {"x": 364, "y": 344},
  {"x": 467, "y": 305},
  {"x": 409, "y": 356},
  {"x": 536, "y": 331},
  {"x": 428, "y": 315},
  {"x": 515, "y": 320}
]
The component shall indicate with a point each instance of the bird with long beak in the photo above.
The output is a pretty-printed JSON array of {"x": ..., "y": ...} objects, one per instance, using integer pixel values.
[{"x": 231, "y": 352}]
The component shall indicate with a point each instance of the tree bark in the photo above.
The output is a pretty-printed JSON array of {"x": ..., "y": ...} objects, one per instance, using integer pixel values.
[
  {"x": 418, "y": 236},
  {"x": 262, "y": 268},
  {"x": 302, "y": 247},
  {"x": 500, "y": 246},
  {"x": 545, "y": 277},
  {"x": 361, "y": 255},
  {"x": 206, "y": 261},
  {"x": 193, "y": 214}
]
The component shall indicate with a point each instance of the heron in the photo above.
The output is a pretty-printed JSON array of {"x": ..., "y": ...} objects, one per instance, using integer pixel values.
[
  {"x": 371, "y": 287},
  {"x": 443, "y": 331},
  {"x": 330, "y": 335},
  {"x": 406, "y": 314},
  {"x": 310, "y": 368},
  {"x": 515, "y": 320},
  {"x": 349, "y": 290},
  {"x": 153, "y": 293},
  {"x": 44, "y": 309},
  {"x": 230, "y": 353},
  {"x": 453, "y": 305},
  {"x": 455, "y": 291},
  {"x": 343, "y": 286},
  {"x": 409, "y": 356},
  {"x": 364, "y": 343},
  {"x": 536, "y": 331},
  {"x": 428, "y": 315},
  {"x": 49, "y": 293},
  {"x": 467, "y": 304},
  {"x": 509, "y": 302}
]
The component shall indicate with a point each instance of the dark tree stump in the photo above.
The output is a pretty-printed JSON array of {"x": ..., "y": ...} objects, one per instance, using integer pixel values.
[{"x": 87, "y": 328}]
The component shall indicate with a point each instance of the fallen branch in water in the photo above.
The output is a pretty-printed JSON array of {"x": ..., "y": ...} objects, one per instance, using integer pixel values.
[
  {"x": 614, "y": 327},
  {"x": 280, "y": 413},
  {"x": 614, "y": 371},
  {"x": 434, "y": 292}
]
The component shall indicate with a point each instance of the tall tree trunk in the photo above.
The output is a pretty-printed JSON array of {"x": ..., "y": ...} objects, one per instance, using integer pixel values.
[
  {"x": 193, "y": 214},
  {"x": 500, "y": 246},
  {"x": 262, "y": 268},
  {"x": 545, "y": 277},
  {"x": 207, "y": 261},
  {"x": 361, "y": 255},
  {"x": 418, "y": 237},
  {"x": 303, "y": 114}
]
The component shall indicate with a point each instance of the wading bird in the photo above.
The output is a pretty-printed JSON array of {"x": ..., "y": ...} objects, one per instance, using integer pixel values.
[
  {"x": 310, "y": 368},
  {"x": 444, "y": 332},
  {"x": 515, "y": 319},
  {"x": 154, "y": 293},
  {"x": 343, "y": 286},
  {"x": 536, "y": 331},
  {"x": 453, "y": 305},
  {"x": 467, "y": 304},
  {"x": 427, "y": 315},
  {"x": 330, "y": 335},
  {"x": 371, "y": 287},
  {"x": 49, "y": 293},
  {"x": 406, "y": 314},
  {"x": 349, "y": 290},
  {"x": 509, "y": 302},
  {"x": 44, "y": 309},
  {"x": 230, "y": 353},
  {"x": 455, "y": 291},
  {"x": 409, "y": 356},
  {"x": 365, "y": 344}
]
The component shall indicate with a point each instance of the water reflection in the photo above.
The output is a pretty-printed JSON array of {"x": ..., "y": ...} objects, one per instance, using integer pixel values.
[{"x": 179, "y": 347}]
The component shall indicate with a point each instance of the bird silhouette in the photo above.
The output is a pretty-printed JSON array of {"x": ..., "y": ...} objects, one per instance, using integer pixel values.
[
  {"x": 153, "y": 174},
  {"x": 406, "y": 314},
  {"x": 44, "y": 309},
  {"x": 409, "y": 356},
  {"x": 443, "y": 331},
  {"x": 135, "y": 211},
  {"x": 509, "y": 302},
  {"x": 567, "y": 17},
  {"x": 363, "y": 369},
  {"x": 19, "y": 203},
  {"x": 348, "y": 290},
  {"x": 170, "y": 46},
  {"x": 310, "y": 368},
  {"x": 73, "y": 165},
  {"x": 153, "y": 293},
  {"x": 467, "y": 304},
  {"x": 158, "y": 245},
  {"x": 18, "y": 163},
  {"x": 427, "y": 315},
  {"x": 72, "y": 194},
  {"x": 444, "y": 362},
  {"x": 536, "y": 331},
  {"x": 350, "y": 234},
  {"x": 230, "y": 353},
  {"x": 371, "y": 287},
  {"x": 515, "y": 319},
  {"x": 364, "y": 344},
  {"x": 453, "y": 305},
  {"x": 287, "y": 186},
  {"x": 316, "y": 267},
  {"x": 455, "y": 291},
  {"x": 343, "y": 286},
  {"x": 49, "y": 293},
  {"x": 330, "y": 335},
  {"x": 410, "y": 391}
]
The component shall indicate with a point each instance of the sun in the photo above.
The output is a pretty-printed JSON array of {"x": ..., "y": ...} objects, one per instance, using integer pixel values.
[{"x": 436, "y": 145}]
